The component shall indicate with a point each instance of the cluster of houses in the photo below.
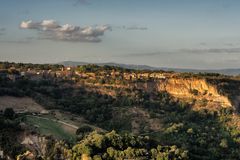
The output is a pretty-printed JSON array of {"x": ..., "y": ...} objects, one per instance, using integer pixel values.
[
  {"x": 33, "y": 74},
  {"x": 71, "y": 73},
  {"x": 126, "y": 76},
  {"x": 135, "y": 76}
]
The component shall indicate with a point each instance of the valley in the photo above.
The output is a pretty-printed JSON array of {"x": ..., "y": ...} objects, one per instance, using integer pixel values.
[{"x": 60, "y": 109}]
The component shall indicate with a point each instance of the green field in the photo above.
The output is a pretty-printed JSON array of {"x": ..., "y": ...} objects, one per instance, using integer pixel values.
[{"x": 49, "y": 127}]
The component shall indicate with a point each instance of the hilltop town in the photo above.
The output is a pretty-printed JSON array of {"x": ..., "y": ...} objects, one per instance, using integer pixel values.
[{"x": 93, "y": 72}]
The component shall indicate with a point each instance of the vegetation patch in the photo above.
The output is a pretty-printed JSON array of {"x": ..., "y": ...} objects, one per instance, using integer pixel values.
[{"x": 50, "y": 127}]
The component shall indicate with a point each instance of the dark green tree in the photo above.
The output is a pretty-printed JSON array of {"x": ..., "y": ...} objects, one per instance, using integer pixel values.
[{"x": 9, "y": 113}]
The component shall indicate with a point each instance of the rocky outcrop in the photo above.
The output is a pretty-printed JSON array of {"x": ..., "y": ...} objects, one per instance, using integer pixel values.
[
  {"x": 188, "y": 88},
  {"x": 36, "y": 143},
  {"x": 197, "y": 89},
  {"x": 194, "y": 88}
]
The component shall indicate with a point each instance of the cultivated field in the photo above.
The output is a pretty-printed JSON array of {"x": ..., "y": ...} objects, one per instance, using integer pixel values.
[{"x": 50, "y": 127}]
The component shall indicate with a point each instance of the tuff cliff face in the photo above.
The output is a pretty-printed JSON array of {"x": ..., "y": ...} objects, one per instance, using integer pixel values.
[
  {"x": 188, "y": 88},
  {"x": 197, "y": 89},
  {"x": 200, "y": 90}
]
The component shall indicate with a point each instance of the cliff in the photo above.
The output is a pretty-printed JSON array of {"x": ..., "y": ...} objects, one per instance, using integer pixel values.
[
  {"x": 197, "y": 89},
  {"x": 190, "y": 89}
]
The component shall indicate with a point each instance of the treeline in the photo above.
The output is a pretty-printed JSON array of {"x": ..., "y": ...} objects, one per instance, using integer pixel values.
[
  {"x": 202, "y": 75},
  {"x": 97, "y": 68},
  {"x": 26, "y": 66},
  {"x": 112, "y": 146}
]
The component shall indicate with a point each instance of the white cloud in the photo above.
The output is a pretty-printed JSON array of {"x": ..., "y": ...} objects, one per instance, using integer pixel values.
[
  {"x": 69, "y": 28},
  {"x": 49, "y": 24},
  {"x": 44, "y": 25},
  {"x": 50, "y": 29}
]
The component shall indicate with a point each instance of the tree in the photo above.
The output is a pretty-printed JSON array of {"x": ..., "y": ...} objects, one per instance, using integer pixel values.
[
  {"x": 224, "y": 143},
  {"x": 83, "y": 131},
  {"x": 9, "y": 113}
]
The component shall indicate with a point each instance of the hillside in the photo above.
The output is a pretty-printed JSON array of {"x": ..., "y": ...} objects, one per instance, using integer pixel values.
[{"x": 198, "y": 114}]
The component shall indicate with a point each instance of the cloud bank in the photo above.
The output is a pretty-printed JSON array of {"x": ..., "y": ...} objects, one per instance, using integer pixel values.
[
  {"x": 82, "y": 2},
  {"x": 136, "y": 28},
  {"x": 51, "y": 29},
  {"x": 212, "y": 50},
  {"x": 2, "y": 31}
]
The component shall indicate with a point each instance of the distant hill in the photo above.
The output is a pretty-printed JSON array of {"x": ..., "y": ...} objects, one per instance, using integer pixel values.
[
  {"x": 234, "y": 71},
  {"x": 128, "y": 66}
]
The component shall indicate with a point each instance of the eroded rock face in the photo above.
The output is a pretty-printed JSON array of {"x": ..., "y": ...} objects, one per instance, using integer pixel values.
[
  {"x": 198, "y": 89},
  {"x": 188, "y": 88}
]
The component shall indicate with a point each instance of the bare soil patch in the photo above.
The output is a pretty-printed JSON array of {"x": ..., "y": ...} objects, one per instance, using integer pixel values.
[{"x": 20, "y": 104}]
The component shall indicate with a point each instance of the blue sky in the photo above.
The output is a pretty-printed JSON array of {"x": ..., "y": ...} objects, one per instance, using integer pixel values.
[{"x": 167, "y": 33}]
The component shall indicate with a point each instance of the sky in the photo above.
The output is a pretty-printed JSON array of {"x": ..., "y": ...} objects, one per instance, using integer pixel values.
[{"x": 197, "y": 34}]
